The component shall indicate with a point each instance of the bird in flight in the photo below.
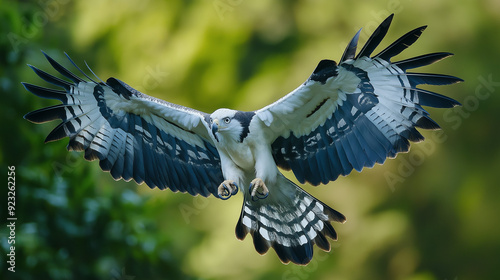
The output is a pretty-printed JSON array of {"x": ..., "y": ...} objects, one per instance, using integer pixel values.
[{"x": 346, "y": 115}]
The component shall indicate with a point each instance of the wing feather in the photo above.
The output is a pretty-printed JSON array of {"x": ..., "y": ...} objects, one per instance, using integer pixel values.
[
  {"x": 350, "y": 51},
  {"x": 376, "y": 38},
  {"x": 355, "y": 114},
  {"x": 422, "y": 60},
  {"x": 401, "y": 44},
  {"x": 134, "y": 136}
]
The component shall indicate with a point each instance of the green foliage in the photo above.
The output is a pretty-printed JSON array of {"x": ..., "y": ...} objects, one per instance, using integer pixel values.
[{"x": 429, "y": 214}]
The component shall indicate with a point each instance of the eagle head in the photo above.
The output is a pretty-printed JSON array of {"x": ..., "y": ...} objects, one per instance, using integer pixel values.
[{"x": 230, "y": 125}]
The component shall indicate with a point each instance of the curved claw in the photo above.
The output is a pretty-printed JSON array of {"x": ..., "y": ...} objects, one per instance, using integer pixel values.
[
  {"x": 226, "y": 194},
  {"x": 224, "y": 197},
  {"x": 261, "y": 195},
  {"x": 258, "y": 194},
  {"x": 227, "y": 189},
  {"x": 235, "y": 190}
]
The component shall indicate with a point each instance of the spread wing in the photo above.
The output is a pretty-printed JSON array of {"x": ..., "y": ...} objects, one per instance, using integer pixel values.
[
  {"x": 134, "y": 136},
  {"x": 354, "y": 114}
]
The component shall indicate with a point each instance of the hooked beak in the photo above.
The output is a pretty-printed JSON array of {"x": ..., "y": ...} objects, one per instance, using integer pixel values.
[{"x": 215, "y": 128}]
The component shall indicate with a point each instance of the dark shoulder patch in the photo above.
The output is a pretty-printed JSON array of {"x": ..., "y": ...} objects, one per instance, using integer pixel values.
[
  {"x": 122, "y": 88},
  {"x": 326, "y": 68},
  {"x": 244, "y": 118}
]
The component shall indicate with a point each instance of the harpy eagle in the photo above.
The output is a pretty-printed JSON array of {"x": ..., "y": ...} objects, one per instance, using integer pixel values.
[{"x": 345, "y": 116}]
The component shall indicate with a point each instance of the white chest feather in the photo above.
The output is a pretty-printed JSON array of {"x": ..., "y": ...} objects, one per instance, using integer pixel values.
[{"x": 240, "y": 154}]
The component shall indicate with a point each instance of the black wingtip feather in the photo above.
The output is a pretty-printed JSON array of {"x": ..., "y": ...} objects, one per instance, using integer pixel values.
[
  {"x": 333, "y": 214},
  {"x": 401, "y": 44},
  {"x": 431, "y": 79},
  {"x": 79, "y": 69},
  {"x": 401, "y": 145},
  {"x": 57, "y": 133},
  {"x": 46, "y": 92},
  {"x": 412, "y": 135},
  {"x": 46, "y": 114},
  {"x": 74, "y": 145},
  {"x": 435, "y": 100},
  {"x": 91, "y": 155},
  {"x": 376, "y": 37},
  {"x": 427, "y": 123},
  {"x": 51, "y": 79},
  {"x": 61, "y": 69},
  {"x": 350, "y": 51},
  {"x": 422, "y": 60}
]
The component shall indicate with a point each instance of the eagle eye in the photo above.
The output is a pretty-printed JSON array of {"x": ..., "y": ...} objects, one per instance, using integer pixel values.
[{"x": 227, "y": 120}]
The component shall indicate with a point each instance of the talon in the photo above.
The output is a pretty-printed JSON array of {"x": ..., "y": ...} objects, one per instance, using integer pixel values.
[
  {"x": 223, "y": 192},
  {"x": 258, "y": 189},
  {"x": 227, "y": 189},
  {"x": 234, "y": 189},
  {"x": 261, "y": 195}
]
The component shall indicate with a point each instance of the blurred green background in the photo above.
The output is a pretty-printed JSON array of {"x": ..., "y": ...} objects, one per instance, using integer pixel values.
[{"x": 429, "y": 214}]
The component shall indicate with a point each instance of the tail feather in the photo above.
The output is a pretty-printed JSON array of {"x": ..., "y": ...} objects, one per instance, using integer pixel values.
[{"x": 289, "y": 220}]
